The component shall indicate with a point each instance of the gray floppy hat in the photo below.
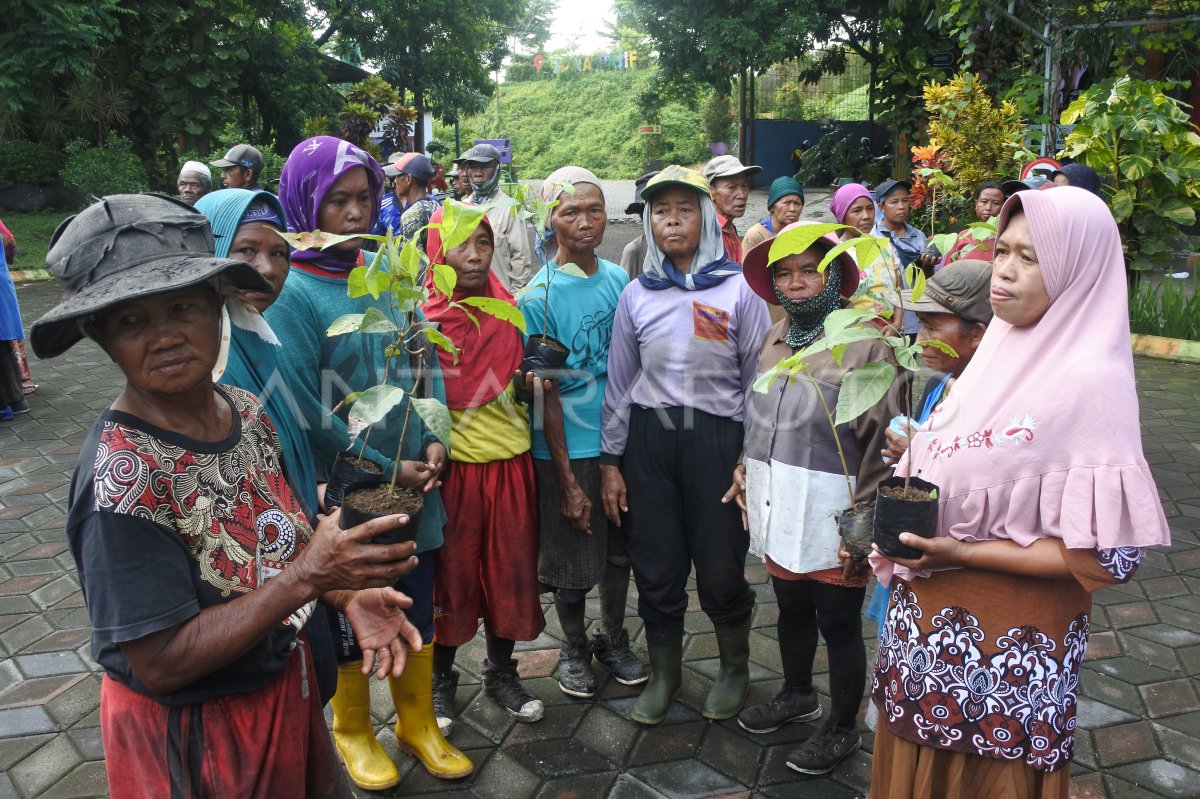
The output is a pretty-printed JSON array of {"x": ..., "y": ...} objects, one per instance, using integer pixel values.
[{"x": 125, "y": 247}]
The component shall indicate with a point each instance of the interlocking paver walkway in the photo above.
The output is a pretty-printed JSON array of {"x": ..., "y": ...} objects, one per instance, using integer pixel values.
[{"x": 1139, "y": 713}]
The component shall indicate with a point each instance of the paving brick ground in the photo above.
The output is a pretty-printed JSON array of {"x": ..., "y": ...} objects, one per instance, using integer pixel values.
[{"x": 1139, "y": 711}]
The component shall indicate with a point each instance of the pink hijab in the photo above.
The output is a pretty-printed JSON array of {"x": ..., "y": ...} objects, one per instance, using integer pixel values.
[
  {"x": 842, "y": 199},
  {"x": 1041, "y": 436}
]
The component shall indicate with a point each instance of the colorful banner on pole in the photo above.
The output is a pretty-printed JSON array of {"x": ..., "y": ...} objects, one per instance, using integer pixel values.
[{"x": 624, "y": 59}]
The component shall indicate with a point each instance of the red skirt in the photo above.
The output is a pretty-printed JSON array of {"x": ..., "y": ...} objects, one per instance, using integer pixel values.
[
  {"x": 269, "y": 743},
  {"x": 487, "y": 566}
]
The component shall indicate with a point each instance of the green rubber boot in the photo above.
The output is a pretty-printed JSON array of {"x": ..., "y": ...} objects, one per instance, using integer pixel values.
[
  {"x": 666, "y": 676},
  {"x": 728, "y": 692}
]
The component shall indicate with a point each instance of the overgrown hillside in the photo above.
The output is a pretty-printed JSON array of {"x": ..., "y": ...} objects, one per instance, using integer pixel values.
[{"x": 588, "y": 119}]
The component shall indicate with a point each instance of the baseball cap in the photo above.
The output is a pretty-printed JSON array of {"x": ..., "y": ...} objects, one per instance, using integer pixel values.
[
  {"x": 480, "y": 154},
  {"x": 413, "y": 164},
  {"x": 889, "y": 186},
  {"x": 726, "y": 166},
  {"x": 961, "y": 288},
  {"x": 675, "y": 175},
  {"x": 243, "y": 155},
  {"x": 637, "y": 206}
]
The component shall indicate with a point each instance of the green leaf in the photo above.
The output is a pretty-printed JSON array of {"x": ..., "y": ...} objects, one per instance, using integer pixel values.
[
  {"x": 862, "y": 388},
  {"x": 411, "y": 257},
  {"x": 797, "y": 240},
  {"x": 499, "y": 309},
  {"x": 867, "y": 250},
  {"x": 1178, "y": 211},
  {"x": 445, "y": 279},
  {"x": 573, "y": 271},
  {"x": 1122, "y": 204},
  {"x": 349, "y": 323},
  {"x": 442, "y": 340},
  {"x": 916, "y": 279},
  {"x": 459, "y": 221},
  {"x": 1135, "y": 167},
  {"x": 372, "y": 279},
  {"x": 762, "y": 383},
  {"x": 844, "y": 317},
  {"x": 944, "y": 241},
  {"x": 376, "y": 321},
  {"x": 940, "y": 345},
  {"x": 435, "y": 415},
  {"x": 372, "y": 405},
  {"x": 906, "y": 356}
]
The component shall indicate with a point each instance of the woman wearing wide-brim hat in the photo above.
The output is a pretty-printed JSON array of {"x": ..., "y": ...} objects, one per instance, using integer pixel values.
[
  {"x": 198, "y": 564},
  {"x": 685, "y": 340},
  {"x": 791, "y": 485}
]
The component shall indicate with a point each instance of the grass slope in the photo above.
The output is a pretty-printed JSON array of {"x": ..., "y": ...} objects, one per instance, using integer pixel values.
[{"x": 588, "y": 120}]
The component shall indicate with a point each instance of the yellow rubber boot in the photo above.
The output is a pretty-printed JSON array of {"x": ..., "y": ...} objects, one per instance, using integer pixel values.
[
  {"x": 416, "y": 727},
  {"x": 369, "y": 766}
]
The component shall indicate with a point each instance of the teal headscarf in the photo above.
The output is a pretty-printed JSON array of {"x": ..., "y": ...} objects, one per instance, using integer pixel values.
[{"x": 253, "y": 364}]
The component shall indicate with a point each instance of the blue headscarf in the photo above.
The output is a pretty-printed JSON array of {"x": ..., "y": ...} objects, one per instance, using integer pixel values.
[
  {"x": 253, "y": 362},
  {"x": 660, "y": 273}
]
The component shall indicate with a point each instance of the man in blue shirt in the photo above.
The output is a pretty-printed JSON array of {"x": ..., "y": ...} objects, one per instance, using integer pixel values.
[{"x": 578, "y": 546}]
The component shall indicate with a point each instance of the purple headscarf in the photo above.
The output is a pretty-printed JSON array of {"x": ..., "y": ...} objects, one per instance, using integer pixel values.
[
  {"x": 311, "y": 170},
  {"x": 842, "y": 199}
]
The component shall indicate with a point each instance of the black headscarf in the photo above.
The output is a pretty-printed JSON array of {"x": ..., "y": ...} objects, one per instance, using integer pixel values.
[{"x": 807, "y": 317}]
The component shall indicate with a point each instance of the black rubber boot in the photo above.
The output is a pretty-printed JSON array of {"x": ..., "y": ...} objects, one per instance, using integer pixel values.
[
  {"x": 728, "y": 692},
  {"x": 666, "y": 676}
]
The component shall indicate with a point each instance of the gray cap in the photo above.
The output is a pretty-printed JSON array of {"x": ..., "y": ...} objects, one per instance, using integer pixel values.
[
  {"x": 125, "y": 247},
  {"x": 480, "y": 154},
  {"x": 961, "y": 288},
  {"x": 889, "y": 186},
  {"x": 243, "y": 155}
]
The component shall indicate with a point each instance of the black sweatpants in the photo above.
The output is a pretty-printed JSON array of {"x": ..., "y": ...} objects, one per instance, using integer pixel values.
[
  {"x": 678, "y": 464},
  {"x": 806, "y": 606}
]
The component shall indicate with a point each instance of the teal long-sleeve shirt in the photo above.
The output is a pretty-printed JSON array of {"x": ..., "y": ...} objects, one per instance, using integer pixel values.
[{"x": 322, "y": 370}]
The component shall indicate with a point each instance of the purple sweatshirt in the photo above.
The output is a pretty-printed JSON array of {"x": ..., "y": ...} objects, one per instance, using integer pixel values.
[{"x": 675, "y": 348}]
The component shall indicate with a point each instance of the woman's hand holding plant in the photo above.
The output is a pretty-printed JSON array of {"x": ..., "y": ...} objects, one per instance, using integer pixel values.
[
  {"x": 941, "y": 552},
  {"x": 336, "y": 559}
]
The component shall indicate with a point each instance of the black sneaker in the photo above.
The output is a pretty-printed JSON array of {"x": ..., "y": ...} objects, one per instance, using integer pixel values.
[
  {"x": 444, "y": 688},
  {"x": 790, "y": 704},
  {"x": 504, "y": 687},
  {"x": 822, "y": 752},
  {"x": 575, "y": 677},
  {"x": 613, "y": 653}
]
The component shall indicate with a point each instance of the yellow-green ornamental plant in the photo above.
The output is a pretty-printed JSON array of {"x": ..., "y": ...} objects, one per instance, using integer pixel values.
[
  {"x": 1146, "y": 150},
  {"x": 978, "y": 138}
]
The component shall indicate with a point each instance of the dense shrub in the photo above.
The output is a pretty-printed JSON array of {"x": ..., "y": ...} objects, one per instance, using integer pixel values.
[
  {"x": 109, "y": 169},
  {"x": 28, "y": 162},
  {"x": 589, "y": 119}
]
